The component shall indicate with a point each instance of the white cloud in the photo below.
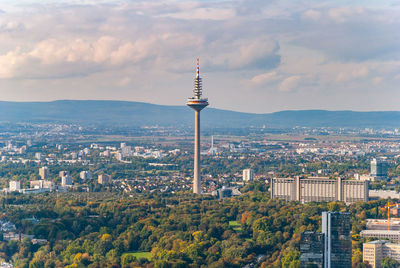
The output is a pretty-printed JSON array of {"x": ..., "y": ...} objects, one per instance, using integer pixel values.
[
  {"x": 264, "y": 78},
  {"x": 290, "y": 83}
]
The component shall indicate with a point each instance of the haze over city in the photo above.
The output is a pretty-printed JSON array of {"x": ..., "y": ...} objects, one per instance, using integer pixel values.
[{"x": 255, "y": 56}]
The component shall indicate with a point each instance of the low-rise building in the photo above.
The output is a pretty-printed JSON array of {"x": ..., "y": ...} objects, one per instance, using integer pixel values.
[
  {"x": 375, "y": 251},
  {"x": 39, "y": 184},
  {"x": 392, "y": 235},
  {"x": 382, "y": 224}
]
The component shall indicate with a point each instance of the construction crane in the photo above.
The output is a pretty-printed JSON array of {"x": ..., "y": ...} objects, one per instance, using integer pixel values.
[{"x": 388, "y": 206}]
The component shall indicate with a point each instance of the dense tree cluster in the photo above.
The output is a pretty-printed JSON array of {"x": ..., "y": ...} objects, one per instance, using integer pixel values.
[{"x": 165, "y": 230}]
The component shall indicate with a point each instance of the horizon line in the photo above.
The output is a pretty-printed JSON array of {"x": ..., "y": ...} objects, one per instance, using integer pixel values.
[{"x": 183, "y": 105}]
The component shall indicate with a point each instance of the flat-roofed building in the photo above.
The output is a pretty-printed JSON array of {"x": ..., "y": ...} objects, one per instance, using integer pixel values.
[
  {"x": 311, "y": 249},
  {"x": 317, "y": 189},
  {"x": 336, "y": 227},
  {"x": 382, "y": 224},
  {"x": 66, "y": 181},
  {"x": 39, "y": 184},
  {"x": 44, "y": 173},
  {"x": 381, "y": 234},
  {"x": 379, "y": 169},
  {"x": 375, "y": 251},
  {"x": 104, "y": 179},
  {"x": 248, "y": 174},
  {"x": 14, "y": 186}
]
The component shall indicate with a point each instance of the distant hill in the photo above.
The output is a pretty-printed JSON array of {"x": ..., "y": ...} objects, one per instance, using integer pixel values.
[{"x": 124, "y": 113}]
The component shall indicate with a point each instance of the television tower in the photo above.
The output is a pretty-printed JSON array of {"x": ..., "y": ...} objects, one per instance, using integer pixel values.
[{"x": 197, "y": 104}]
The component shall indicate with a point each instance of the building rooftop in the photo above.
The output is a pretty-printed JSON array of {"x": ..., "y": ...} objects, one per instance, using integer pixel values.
[{"x": 383, "y": 232}]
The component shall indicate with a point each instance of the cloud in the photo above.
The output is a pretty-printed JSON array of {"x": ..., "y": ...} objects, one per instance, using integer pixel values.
[
  {"x": 342, "y": 14},
  {"x": 245, "y": 54},
  {"x": 377, "y": 80},
  {"x": 338, "y": 48},
  {"x": 264, "y": 78},
  {"x": 312, "y": 14},
  {"x": 290, "y": 83},
  {"x": 359, "y": 72},
  {"x": 203, "y": 14},
  {"x": 82, "y": 57}
]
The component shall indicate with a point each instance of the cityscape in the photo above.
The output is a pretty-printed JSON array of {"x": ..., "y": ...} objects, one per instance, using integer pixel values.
[{"x": 171, "y": 134}]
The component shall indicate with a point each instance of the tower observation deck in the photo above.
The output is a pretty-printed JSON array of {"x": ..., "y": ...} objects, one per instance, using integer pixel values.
[{"x": 197, "y": 104}]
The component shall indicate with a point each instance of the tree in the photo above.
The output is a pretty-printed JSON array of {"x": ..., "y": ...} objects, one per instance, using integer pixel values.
[
  {"x": 291, "y": 259},
  {"x": 388, "y": 262}
]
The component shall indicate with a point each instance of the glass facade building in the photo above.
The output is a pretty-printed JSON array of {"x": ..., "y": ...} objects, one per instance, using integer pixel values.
[
  {"x": 312, "y": 250},
  {"x": 336, "y": 227}
]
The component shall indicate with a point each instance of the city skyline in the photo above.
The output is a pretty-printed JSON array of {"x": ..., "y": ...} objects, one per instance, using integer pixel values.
[{"x": 270, "y": 56}]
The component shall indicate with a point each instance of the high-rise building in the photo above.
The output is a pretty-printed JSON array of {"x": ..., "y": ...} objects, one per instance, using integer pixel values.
[
  {"x": 248, "y": 174},
  {"x": 317, "y": 189},
  {"x": 104, "y": 179},
  {"x": 311, "y": 250},
  {"x": 336, "y": 227},
  {"x": 38, "y": 156},
  {"x": 197, "y": 104},
  {"x": 378, "y": 168},
  {"x": 126, "y": 151},
  {"x": 66, "y": 181},
  {"x": 14, "y": 186},
  {"x": 44, "y": 173},
  {"x": 63, "y": 173},
  {"x": 85, "y": 175},
  {"x": 213, "y": 150}
]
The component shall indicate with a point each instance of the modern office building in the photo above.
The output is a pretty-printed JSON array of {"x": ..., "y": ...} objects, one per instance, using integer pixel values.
[
  {"x": 248, "y": 174},
  {"x": 197, "y": 104},
  {"x": 375, "y": 251},
  {"x": 336, "y": 227},
  {"x": 44, "y": 173},
  {"x": 378, "y": 169},
  {"x": 317, "y": 189},
  {"x": 311, "y": 250}
]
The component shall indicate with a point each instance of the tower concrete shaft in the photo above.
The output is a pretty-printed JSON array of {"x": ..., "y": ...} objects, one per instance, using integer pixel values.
[
  {"x": 197, "y": 104},
  {"x": 197, "y": 167}
]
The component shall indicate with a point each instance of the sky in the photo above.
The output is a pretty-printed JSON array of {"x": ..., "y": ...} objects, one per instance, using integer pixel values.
[{"x": 256, "y": 56}]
